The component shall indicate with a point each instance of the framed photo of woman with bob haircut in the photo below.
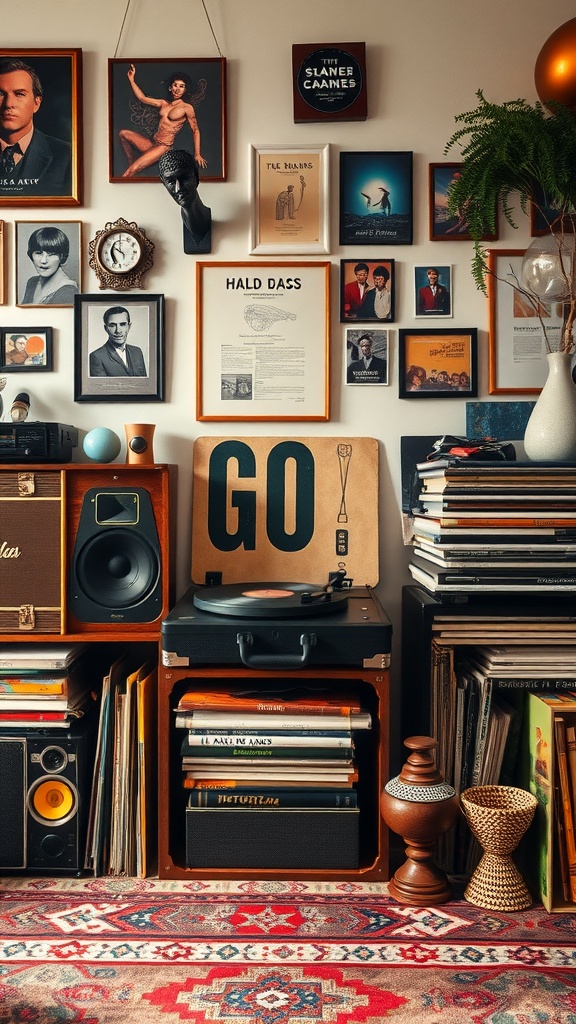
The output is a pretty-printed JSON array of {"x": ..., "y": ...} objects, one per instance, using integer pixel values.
[{"x": 48, "y": 262}]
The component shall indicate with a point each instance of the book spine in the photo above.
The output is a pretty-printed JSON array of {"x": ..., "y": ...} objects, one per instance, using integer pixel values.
[
  {"x": 278, "y": 739},
  {"x": 508, "y": 522},
  {"x": 224, "y": 720},
  {"x": 245, "y": 797},
  {"x": 192, "y": 701},
  {"x": 269, "y": 758},
  {"x": 566, "y": 800},
  {"x": 521, "y": 683}
]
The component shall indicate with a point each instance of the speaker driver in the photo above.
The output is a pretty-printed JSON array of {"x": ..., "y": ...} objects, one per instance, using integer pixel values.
[
  {"x": 117, "y": 569},
  {"x": 52, "y": 799}
]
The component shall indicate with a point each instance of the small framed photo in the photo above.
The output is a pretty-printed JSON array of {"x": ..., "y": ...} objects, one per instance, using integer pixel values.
[
  {"x": 376, "y": 198},
  {"x": 366, "y": 290},
  {"x": 433, "y": 291},
  {"x": 156, "y": 104},
  {"x": 445, "y": 226},
  {"x": 48, "y": 262},
  {"x": 290, "y": 199},
  {"x": 119, "y": 348},
  {"x": 438, "y": 363},
  {"x": 49, "y": 171},
  {"x": 366, "y": 355},
  {"x": 24, "y": 349}
]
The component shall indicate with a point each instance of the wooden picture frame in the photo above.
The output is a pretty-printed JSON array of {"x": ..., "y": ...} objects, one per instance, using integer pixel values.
[
  {"x": 433, "y": 291},
  {"x": 272, "y": 362},
  {"x": 445, "y": 227},
  {"x": 438, "y": 362},
  {"x": 329, "y": 82},
  {"x": 136, "y": 319},
  {"x": 517, "y": 363},
  {"x": 50, "y": 171},
  {"x": 376, "y": 198},
  {"x": 354, "y": 277},
  {"x": 48, "y": 262},
  {"x": 133, "y": 121},
  {"x": 289, "y": 200},
  {"x": 25, "y": 349}
]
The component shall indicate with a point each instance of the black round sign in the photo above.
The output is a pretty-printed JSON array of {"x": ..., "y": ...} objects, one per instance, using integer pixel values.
[{"x": 329, "y": 80}]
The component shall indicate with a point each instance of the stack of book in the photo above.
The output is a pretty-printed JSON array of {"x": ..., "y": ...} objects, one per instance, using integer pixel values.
[
  {"x": 505, "y": 527},
  {"x": 43, "y": 687}
]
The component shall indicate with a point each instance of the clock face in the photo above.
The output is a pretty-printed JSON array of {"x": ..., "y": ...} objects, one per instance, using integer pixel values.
[{"x": 120, "y": 252}]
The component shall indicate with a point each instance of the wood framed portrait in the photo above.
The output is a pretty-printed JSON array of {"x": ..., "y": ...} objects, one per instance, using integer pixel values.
[
  {"x": 119, "y": 348},
  {"x": 272, "y": 361},
  {"x": 45, "y": 168},
  {"x": 446, "y": 226},
  {"x": 376, "y": 198},
  {"x": 438, "y": 363},
  {"x": 367, "y": 289},
  {"x": 433, "y": 291},
  {"x": 290, "y": 199},
  {"x": 366, "y": 355},
  {"x": 159, "y": 104},
  {"x": 25, "y": 349},
  {"x": 48, "y": 262}
]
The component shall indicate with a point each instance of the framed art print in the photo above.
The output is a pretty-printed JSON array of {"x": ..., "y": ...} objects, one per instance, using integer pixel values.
[
  {"x": 445, "y": 226},
  {"x": 433, "y": 291},
  {"x": 376, "y": 198},
  {"x": 156, "y": 104},
  {"x": 48, "y": 262},
  {"x": 543, "y": 214},
  {"x": 366, "y": 355},
  {"x": 23, "y": 349},
  {"x": 290, "y": 199},
  {"x": 48, "y": 172},
  {"x": 367, "y": 290},
  {"x": 438, "y": 363}
]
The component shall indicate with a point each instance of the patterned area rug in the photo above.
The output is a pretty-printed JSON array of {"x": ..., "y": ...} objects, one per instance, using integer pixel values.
[{"x": 115, "y": 951}]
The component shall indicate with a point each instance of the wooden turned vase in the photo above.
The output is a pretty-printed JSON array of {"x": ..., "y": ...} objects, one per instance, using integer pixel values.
[{"x": 419, "y": 806}]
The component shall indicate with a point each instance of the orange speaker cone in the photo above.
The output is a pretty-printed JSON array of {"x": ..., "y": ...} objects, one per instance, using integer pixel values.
[{"x": 53, "y": 799}]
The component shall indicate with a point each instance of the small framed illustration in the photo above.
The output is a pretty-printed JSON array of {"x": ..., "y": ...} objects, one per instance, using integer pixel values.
[
  {"x": 438, "y": 363},
  {"x": 433, "y": 291},
  {"x": 48, "y": 262},
  {"x": 24, "y": 349},
  {"x": 367, "y": 290},
  {"x": 366, "y": 355},
  {"x": 48, "y": 170},
  {"x": 290, "y": 199},
  {"x": 445, "y": 226},
  {"x": 517, "y": 363},
  {"x": 543, "y": 215},
  {"x": 376, "y": 198},
  {"x": 272, "y": 362},
  {"x": 119, "y": 348},
  {"x": 156, "y": 104}
]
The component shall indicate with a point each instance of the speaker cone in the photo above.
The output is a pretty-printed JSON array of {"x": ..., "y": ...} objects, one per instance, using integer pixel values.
[
  {"x": 117, "y": 569},
  {"x": 52, "y": 799}
]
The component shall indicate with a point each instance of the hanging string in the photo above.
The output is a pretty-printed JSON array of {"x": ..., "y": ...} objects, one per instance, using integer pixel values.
[
  {"x": 122, "y": 27},
  {"x": 203, "y": 2}
]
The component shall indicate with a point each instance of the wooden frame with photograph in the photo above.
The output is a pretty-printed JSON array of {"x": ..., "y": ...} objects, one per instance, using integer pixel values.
[
  {"x": 517, "y": 363},
  {"x": 376, "y": 198},
  {"x": 25, "y": 349},
  {"x": 354, "y": 274},
  {"x": 48, "y": 262},
  {"x": 445, "y": 227},
  {"x": 376, "y": 371},
  {"x": 272, "y": 361},
  {"x": 100, "y": 375},
  {"x": 290, "y": 199},
  {"x": 433, "y": 294},
  {"x": 138, "y": 124},
  {"x": 50, "y": 171},
  {"x": 438, "y": 362}
]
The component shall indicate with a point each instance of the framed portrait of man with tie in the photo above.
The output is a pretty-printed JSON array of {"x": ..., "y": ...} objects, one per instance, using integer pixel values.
[{"x": 40, "y": 127}]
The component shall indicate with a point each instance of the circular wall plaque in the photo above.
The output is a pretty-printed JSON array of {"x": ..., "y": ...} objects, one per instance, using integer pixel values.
[{"x": 329, "y": 82}]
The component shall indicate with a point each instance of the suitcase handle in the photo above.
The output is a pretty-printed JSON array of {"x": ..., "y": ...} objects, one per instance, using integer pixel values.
[{"x": 275, "y": 661}]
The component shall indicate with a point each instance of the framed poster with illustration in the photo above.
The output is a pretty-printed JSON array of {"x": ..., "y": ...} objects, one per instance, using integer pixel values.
[
  {"x": 438, "y": 363},
  {"x": 366, "y": 355},
  {"x": 272, "y": 361},
  {"x": 119, "y": 348},
  {"x": 444, "y": 226},
  {"x": 433, "y": 291},
  {"x": 25, "y": 349},
  {"x": 367, "y": 290},
  {"x": 376, "y": 198},
  {"x": 48, "y": 262},
  {"x": 49, "y": 172},
  {"x": 289, "y": 199},
  {"x": 156, "y": 104}
]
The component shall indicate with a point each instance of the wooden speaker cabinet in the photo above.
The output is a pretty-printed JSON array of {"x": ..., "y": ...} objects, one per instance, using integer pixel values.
[{"x": 372, "y": 688}]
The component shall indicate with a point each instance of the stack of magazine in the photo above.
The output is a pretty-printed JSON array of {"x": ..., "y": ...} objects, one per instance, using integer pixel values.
[{"x": 44, "y": 687}]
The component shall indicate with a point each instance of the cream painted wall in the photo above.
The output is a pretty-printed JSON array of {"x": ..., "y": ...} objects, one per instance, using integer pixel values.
[{"x": 424, "y": 64}]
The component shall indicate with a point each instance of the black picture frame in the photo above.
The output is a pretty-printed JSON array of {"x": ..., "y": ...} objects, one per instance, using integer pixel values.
[
  {"x": 126, "y": 113},
  {"x": 425, "y": 356},
  {"x": 376, "y": 198},
  {"x": 37, "y": 351},
  {"x": 51, "y": 169},
  {"x": 146, "y": 332},
  {"x": 426, "y": 304},
  {"x": 350, "y": 312}
]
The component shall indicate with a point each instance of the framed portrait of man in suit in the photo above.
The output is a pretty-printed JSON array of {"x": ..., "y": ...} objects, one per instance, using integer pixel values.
[{"x": 40, "y": 127}]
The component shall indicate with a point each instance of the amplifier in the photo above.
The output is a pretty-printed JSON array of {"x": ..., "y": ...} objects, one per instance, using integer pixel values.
[{"x": 37, "y": 442}]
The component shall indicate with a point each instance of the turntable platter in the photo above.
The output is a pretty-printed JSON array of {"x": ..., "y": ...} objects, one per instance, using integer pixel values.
[{"x": 270, "y": 600}]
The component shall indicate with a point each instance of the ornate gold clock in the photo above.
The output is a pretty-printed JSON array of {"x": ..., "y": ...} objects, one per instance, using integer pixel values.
[{"x": 120, "y": 254}]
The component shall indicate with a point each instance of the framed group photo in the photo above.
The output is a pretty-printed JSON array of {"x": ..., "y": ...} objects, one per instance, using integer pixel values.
[
  {"x": 366, "y": 355},
  {"x": 24, "y": 349},
  {"x": 438, "y": 363},
  {"x": 376, "y": 198},
  {"x": 290, "y": 199},
  {"x": 367, "y": 290},
  {"x": 156, "y": 104},
  {"x": 48, "y": 262},
  {"x": 433, "y": 291},
  {"x": 446, "y": 226},
  {"x": 119, "y": 348}
]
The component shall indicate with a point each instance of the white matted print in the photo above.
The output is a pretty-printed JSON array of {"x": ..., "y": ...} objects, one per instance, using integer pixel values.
[
  {"x": 366, "y": 356},
  {"x": 48, "y": 262}
]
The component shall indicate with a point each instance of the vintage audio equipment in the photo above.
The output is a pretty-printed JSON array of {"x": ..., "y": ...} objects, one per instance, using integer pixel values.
[
  {"x": 139, "y": 437},
  {"x": 37, "y": 442},
  {"x": 44, "y": 794}
]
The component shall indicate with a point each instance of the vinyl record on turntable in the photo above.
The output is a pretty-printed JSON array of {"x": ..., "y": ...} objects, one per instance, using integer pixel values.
[{"x": 270, "y": 600}]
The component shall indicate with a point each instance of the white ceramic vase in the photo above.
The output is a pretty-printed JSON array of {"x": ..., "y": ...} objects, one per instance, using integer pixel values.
[{"x": 551, "y": 430}]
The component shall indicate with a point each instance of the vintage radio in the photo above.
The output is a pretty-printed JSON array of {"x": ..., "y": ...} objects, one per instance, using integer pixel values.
[{"x": 37, "y": 442}]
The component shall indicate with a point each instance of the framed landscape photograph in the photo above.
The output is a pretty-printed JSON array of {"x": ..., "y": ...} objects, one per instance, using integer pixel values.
[
  {"x": 376, "y": 198},
  {"x": 290, "y": 199},
  {"x": 433, "y": 291},
  {"x": 367, "y": 290},
  {"x": 49, "y": 172},
  {"x": 445, "y": 226},
  {"x": 25, "y": 349},
  {"x": 156, "y": 104},
  {"x": 438, "y": 363},
  {"x": 119, "y": 348},
  {"x": 48, "y": 262}
]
